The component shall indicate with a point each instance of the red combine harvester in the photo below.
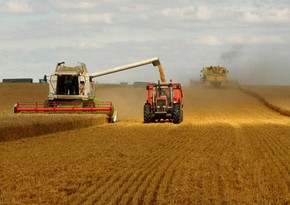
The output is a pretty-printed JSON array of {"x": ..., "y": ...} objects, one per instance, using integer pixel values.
[
  {"x": 72, "y": 90},
  {"x": 165, "y": 102}
]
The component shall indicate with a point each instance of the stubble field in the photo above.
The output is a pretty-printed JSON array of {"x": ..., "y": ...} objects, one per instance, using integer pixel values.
[{"x": 230, "y": 149}]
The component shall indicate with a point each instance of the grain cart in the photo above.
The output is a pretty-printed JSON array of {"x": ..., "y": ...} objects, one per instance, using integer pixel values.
[
  {"x": 71, "y": 89},
  {"x": 214, "y": 76},
  {"x": 164, "y": 102}
]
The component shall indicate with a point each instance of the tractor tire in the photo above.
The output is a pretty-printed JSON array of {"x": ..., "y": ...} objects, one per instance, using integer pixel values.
[
  {"x": 147, "y": 113},
  {"x": 177, "y": 114},
  {"x": 181, "y": 115}
]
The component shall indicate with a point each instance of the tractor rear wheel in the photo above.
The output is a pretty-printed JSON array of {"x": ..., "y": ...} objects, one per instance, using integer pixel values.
[
  {"x": 176, "y": 115},
  {"x": 181, "y": 115},
  {"x": 147, "y": 113}
]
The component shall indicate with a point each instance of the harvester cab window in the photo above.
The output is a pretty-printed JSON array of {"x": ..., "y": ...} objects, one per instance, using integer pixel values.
[{"x": 67, "y": 85}]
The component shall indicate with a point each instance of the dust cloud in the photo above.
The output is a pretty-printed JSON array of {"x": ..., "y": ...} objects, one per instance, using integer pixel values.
[
  {"x": 127, "y": 100},
  {"x": 259, "y": 66}
]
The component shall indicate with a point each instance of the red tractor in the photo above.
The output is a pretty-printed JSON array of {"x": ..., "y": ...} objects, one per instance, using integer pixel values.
[{"x": 164, "y": 103}]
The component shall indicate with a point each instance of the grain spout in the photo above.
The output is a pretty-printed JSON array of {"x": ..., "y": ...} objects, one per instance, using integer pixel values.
[{"x": 162, "y": 76}]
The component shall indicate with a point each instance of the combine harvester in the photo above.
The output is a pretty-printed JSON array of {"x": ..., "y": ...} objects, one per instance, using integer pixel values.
[
  {"x": 214, "y": 76},
  {"x": 71, "y": 89}
]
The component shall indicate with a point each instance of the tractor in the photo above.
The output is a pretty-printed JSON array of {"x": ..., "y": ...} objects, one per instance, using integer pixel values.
[{"x": 164, "y": 102}]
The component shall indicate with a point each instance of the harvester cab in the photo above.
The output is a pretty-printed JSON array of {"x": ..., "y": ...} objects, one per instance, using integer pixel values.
[
  {"x": 72, "y": 89},
  {"x": 70, "y": 83},
  {"x": 164, "y": 102},
  {"x": 215, "y": 76}
]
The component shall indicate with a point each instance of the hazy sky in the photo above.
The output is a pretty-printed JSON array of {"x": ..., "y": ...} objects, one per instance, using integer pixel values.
[{"x": 251, "y": 37}]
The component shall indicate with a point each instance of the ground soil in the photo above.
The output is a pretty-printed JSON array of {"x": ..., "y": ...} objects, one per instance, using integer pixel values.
[{"x": 230, "y": 149}]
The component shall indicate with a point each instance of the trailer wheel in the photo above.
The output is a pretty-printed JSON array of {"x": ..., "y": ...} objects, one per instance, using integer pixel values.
[
  {"x": 176, "y": 115},
  {"x": 147, "y": 113}
]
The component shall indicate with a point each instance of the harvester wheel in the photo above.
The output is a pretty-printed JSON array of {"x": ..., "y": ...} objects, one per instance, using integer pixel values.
[
  {"x": 176, "y": 115},
  {"x": 15, "y": 108},
  {"x": 88, "y": 104},
  {"x": 113, "y": 118},
  {"x": 147, "y": 113},
  {"x": 48, "y": 103}
]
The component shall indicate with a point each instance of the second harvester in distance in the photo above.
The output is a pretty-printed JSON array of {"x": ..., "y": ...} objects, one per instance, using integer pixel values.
[{"x": 214, "y": 76}]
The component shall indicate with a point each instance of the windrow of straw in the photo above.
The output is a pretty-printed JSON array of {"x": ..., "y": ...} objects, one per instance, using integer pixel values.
[
  {"x": 20, "y": 126},
  {"x": 267, "y": 101}
]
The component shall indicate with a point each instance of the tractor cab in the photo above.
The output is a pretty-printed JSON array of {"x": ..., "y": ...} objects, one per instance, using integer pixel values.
[{"x": 162, "y": 94}]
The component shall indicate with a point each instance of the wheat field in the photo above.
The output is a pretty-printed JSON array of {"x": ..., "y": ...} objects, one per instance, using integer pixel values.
[{"x": 230, "y": 149}]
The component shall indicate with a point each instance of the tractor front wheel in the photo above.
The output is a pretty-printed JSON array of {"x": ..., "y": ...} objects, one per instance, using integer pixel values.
[
  {"x": 147, "y": 113},
  {"x": 177, "y": 114}
]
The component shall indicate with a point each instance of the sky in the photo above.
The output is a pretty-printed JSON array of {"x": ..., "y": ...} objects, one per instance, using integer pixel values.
[{"x": 251, "y": 38}]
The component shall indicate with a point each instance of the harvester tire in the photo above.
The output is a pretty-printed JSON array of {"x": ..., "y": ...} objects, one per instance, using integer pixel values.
[
  {"x": 88, "y": 104},
  {"x": 147, "y": 113},
  {"x": 15, "y": 108},
  {"x": 177, "y": 114},
  {"x": 113, "y": 118},
  {"x": 48, "y": 103}
]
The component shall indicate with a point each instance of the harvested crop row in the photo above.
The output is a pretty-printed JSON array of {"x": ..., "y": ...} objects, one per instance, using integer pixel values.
[
  {"x": 15, "y": 127},
  {"x": 267, "y": 101},
  {"x": 230, "y": 149},
  {"x": 127, "y": 164}
]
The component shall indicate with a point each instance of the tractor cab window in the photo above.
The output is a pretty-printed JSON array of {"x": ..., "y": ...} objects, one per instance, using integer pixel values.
[{"x": 163, "y": 92}]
